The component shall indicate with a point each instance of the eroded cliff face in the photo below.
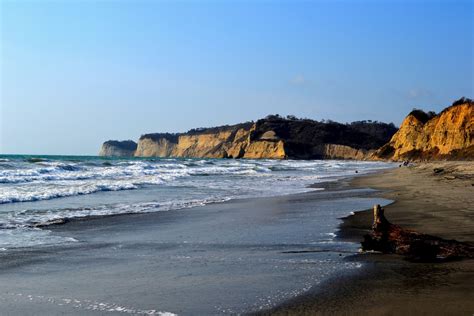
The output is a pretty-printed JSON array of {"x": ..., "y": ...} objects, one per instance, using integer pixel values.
[
  {"x": 161, "y": 146},
  {"x": 204, "y": 145},
  {"x": 233, "y": 142},
  {"x": 448, "y": 135},
  {"x": 271, "y": 138},
  {"x": 115, "y": 148},
  {"x": 265, "y": 149},
  {"x": 334, "y": 151}
]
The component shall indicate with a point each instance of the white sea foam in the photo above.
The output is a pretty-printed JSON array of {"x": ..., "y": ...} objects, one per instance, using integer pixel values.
[
  {"x": 30, "y": 218},
  {"x": 30, "y": 237},
  {"x": 138, "y": 172},
  {"x": 91, "y": 305}
]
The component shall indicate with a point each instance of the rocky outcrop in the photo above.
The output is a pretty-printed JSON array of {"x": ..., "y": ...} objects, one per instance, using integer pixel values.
[
  {"x": 114, "y": 148},
  {"x": 448, "y": 135}
]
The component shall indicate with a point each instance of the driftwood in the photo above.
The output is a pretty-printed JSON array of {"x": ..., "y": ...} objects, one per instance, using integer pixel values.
[{"x": 389, "y": 238}]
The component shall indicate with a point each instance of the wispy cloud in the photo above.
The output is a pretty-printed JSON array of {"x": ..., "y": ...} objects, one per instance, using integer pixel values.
[
  {"x": 299, "y": 80},
  {"x": 419, "y": 93}
]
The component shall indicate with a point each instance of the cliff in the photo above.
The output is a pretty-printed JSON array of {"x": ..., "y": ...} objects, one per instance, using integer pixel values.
[
  {"x": 274, "y": 137},
  {"x": 427, "y": 136},
  {"x": 115, "y": 148}
]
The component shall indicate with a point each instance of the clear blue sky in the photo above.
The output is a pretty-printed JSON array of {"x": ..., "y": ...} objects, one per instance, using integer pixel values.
[{"x": 77, "y": 73}]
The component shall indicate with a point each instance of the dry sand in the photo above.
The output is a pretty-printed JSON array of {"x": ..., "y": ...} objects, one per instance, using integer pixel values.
[{"x": 438, "y": 203}]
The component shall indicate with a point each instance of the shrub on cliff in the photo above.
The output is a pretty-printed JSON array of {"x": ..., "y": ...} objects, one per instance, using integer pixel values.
[
  {"x": 305, "y": 134},
  {"x": 171, "y": 137},
  {"x": 219, "y": 129},
  {"x": 421, "y": 115},
  {"x": 463, "y": 100},
  {"x": 125, "y": 144}
]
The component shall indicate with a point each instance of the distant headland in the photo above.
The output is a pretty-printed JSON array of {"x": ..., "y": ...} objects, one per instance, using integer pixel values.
[{"x": 447, "y": 135}]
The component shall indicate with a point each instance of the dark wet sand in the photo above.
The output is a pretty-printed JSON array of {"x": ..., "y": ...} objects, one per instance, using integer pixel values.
[
  {"x": 233, "y": 257},
  {"x": 440, "y": 204}
]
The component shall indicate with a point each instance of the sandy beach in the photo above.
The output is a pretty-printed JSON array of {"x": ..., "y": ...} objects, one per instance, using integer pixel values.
[
  {"x": 224, "y": 258},
  {"x": 181, "y": 261},
  {"x": 434, "y": 198}
]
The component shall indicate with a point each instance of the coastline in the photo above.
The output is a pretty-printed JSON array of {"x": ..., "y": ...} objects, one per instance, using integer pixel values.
[
  {"x": 434, "y": 198},
  {"x": 188, "y": 261}
]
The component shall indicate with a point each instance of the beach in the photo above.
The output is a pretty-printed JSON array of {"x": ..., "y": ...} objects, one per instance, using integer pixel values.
[
  {"x": 272, "y": 255},
  {"x": 190, "y": 237},
  {"x": 434, "y": 198}
]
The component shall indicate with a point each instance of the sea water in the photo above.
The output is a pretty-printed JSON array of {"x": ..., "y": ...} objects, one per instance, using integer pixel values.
[{"x": 36, "y": 191}]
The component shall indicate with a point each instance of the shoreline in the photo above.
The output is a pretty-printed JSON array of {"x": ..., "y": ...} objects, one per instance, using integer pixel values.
[
  {"x": 387, "y": 284},
  {"x": 142, "y": 261},
  {"x": 384, "y": 284}
]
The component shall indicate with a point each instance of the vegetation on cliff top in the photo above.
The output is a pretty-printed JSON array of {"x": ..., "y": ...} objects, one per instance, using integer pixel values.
[
  {"x": 305, "y": 132},
  {"x": 124, "y": 144},
  {"x": 171, "y": 137},
  {"x": 424, "y": 117}
]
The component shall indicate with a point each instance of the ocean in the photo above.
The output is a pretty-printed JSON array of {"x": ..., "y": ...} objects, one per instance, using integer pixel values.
[{"x": 248, "y": 234}]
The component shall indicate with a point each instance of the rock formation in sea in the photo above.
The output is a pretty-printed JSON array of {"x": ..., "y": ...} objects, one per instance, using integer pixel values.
[
  {"x": 273, "y": 137},
  {"x": 116, "y": 148},
  {"x": 431, "y": 136}
]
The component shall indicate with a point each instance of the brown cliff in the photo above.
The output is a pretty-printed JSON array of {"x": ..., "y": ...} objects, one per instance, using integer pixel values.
[
  {"x": 274, "y": 137},
  {"x": 427, "y": 136}
]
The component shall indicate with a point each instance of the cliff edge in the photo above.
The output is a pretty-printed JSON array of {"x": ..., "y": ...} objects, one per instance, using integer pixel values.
[
  {"x": 448, "y": 135},
  {"x": 273, "y": 137}
]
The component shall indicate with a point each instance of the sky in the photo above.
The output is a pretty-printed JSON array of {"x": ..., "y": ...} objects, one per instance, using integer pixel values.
[{"x": 79, "y": 72}]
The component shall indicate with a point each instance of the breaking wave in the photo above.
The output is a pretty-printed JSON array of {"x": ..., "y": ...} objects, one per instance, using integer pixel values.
[
  {"x": 35, "y": 179},
  {"x": 30, "y": 188}
]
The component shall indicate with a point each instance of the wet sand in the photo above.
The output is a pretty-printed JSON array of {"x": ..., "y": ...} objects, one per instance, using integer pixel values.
[
  {"x": 226, "y": 258},
  {"x": 440, "y": 203}
]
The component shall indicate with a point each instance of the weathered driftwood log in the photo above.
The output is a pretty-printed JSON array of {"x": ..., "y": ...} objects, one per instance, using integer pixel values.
[{"x": 389, "y": 238}]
